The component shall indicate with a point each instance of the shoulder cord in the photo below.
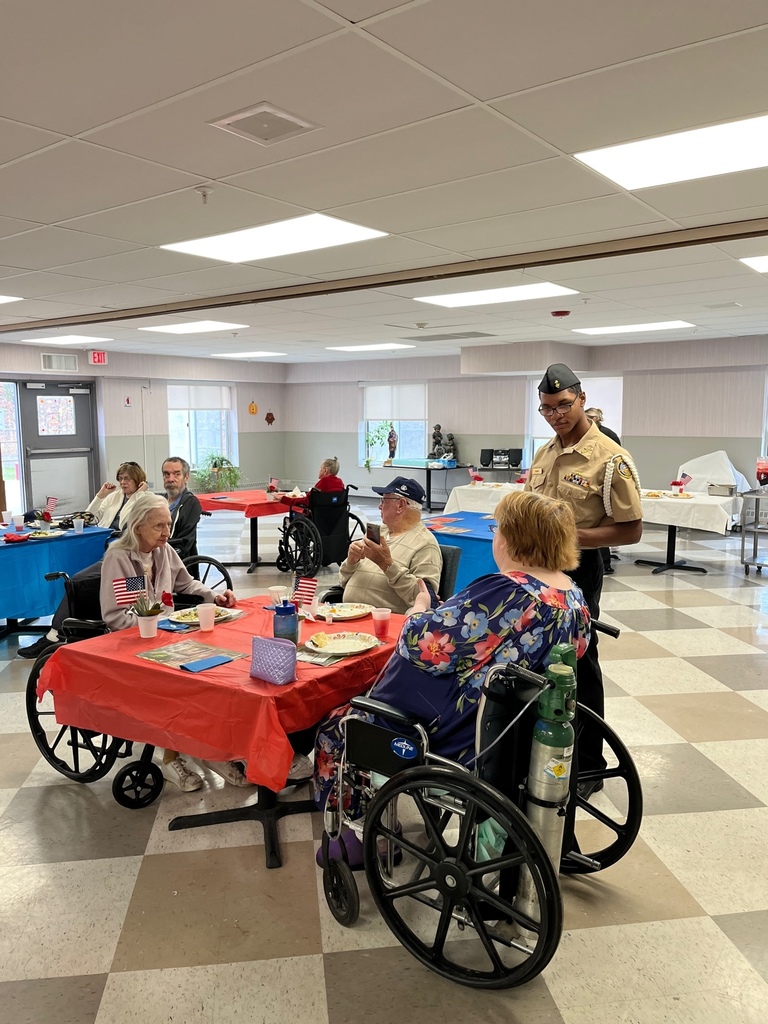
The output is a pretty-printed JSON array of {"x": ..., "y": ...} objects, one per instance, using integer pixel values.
[{"x": 609, "y": 470}]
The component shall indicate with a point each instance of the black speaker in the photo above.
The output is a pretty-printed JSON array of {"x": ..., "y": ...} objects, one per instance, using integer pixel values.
[
  {"x": 515, "y": 457},
  {"x": 486, "y": 457}
]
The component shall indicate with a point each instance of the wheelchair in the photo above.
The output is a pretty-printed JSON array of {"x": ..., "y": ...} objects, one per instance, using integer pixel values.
[
  {"x": 456, "y": 869},
  {"x": 320, "y": 534},
  {"x": 81, "y": 754}
]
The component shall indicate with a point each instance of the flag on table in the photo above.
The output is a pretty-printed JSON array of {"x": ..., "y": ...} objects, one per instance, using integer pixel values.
[
  {"x": 304, "y": 589},
  {"x": 129, "y": 589},
  {"x": 50, "y": 504},
  {"x": 685, "y": 479}
]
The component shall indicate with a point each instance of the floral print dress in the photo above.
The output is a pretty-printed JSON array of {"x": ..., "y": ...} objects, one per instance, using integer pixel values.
[{"x": 443, "y": 656}]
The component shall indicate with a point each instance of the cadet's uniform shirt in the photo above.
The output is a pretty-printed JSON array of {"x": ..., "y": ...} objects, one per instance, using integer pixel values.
[{"x": 595, "y": 476}]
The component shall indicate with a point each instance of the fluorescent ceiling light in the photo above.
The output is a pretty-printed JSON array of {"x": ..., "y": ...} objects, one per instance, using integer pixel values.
[
  {"x": 10, "y": 298},
  {"x": 518, "y": 293},
  {"x": 668, "y": 325},
  {"x": 700, "y": 153},
  {"x": 66, "y": 339},
  {"x": 299, "y": 234},
  {"x": 388, "y": 347},
  {"x": 198, "y": 327},
  {"x": 245, "y": 355},
  {"x": 758, "y": 263}
]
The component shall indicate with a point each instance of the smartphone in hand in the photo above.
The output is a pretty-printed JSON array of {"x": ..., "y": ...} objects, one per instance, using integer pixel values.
[{"x": 373, "y": 532}]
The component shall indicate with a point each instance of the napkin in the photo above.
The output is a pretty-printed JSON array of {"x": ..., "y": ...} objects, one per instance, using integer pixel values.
[
  {"x": 175, "y": 627},
  {"x": 203, "y": 663},
  {"x": 296, "y": 493}
]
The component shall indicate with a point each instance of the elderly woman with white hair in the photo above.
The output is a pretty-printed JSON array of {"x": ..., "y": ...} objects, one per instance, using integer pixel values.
[{"x": 143, "y": 550}]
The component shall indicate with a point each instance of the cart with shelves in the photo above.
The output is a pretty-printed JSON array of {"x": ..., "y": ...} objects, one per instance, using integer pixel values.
[{"x": 754, "y": 525}]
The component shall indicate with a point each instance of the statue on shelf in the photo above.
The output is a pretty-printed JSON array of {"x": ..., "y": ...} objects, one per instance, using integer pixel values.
[
  {"x": 451, "y": 448},
  {"x": 437, "y": 443},
  {"x": 392, "y": 442}
]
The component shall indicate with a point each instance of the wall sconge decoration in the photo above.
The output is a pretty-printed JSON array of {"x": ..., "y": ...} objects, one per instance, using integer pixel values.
[
  {"x": 269, "y": 418},
  {"x": 253, "y": 408}
]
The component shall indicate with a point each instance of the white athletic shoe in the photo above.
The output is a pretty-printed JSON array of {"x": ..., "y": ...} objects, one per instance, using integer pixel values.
[
  {"x": 230, "y": 771},
  {"x": 178, "y": 773},
  {"x": 301, "y": 769}
]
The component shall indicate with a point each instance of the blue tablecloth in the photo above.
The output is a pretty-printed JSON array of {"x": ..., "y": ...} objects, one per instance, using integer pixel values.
[
  {"x": 475, "y": 543},
  {"x": 24, "y": 591}
]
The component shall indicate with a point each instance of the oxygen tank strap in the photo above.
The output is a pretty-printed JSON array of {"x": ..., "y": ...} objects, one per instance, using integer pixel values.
[{"x": 556, "y": 804}]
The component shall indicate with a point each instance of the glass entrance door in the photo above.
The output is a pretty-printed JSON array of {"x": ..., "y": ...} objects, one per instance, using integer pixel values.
[{"x": 57, "y": 433}]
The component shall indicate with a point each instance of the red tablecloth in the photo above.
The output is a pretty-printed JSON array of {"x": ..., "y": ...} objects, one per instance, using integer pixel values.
[
  {"x": 221, "y": 714},
  {"x": 252, "y": 503}
]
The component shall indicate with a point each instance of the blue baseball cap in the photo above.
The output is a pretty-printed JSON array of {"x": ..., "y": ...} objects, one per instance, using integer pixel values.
[{"x": 403, "y": 487}]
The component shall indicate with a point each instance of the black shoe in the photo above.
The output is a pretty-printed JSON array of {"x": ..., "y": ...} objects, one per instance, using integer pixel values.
[
  {"x": 36, "y": 649},
  {"x": 586, "y": 789},
  {"x": 608, "y": 570}
]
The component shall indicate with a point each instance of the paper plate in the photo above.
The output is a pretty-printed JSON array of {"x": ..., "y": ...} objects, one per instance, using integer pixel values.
[
  {"x": 189, "y": 616},
  {"x": 342, "y": 612},
  {"x": 44, "y": 535},
  {"x": 342, "y": 643}
]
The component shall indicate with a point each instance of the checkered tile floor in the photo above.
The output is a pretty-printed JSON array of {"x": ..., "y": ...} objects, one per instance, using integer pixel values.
[{"x": 107, "y": 917}]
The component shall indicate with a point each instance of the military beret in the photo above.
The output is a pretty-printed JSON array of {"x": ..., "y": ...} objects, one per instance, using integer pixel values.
[{"x": 558, "y": 378}]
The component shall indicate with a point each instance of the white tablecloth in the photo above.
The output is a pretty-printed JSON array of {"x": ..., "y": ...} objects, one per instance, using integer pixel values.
[
  {"x": 701, "y": 512},
  {"x": 478, "y": 497}
]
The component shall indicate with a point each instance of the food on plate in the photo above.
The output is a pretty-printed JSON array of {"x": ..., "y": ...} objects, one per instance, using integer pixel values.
[
  {"x": 653, "y": 494},
  {"x": 342, "y": 643},
  {"x": 320, "y": 639},
  {"x": 190, "y": 615},
  {"x": 341, "y": 610},
  {"x": 42, "y": 533},
  {"x": 682, "y": 494}
]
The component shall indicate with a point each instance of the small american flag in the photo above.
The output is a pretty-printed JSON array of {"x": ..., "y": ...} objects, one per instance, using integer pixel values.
[
  {"x": 50, "y": 504},
  {"x": 304, "y": 589},
  {"x": 274, "y": 482},
  {"x": 129, "y": 588},
  {"x": 685, "y": 479}
]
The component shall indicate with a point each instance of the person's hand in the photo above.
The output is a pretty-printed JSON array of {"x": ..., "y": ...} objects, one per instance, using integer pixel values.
[
  {"x": 422, "y": 602},
  {"x": 356, "y": 551},
  {"x": 379, "y": 554},
  {"x": 142, "y": 486},
  {"x": 106, "y": 489},
  {"x": 226, "y": 600}
]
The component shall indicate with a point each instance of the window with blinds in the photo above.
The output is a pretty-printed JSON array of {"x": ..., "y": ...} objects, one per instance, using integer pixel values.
[
  {"x": 394, "y": 422},
  {"x": 201, "y": 421}
]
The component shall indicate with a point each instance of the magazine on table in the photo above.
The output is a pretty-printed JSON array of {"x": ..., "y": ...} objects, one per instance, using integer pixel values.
[{"x": 185, "y": 651}]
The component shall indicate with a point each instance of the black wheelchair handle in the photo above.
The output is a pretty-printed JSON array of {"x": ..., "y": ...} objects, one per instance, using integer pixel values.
[
  {"x": 50, "y": 576},
  {"x": 378, "y": 707},
  {"x": 603, "y": 627},
  {"x": 525, "y": 674},
  {"x": 353, "y": 487}
]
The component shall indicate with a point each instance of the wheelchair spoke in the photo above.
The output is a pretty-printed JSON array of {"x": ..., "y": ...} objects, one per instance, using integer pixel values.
[
  {"x": 601, "y": 816},
  {"x": 406, "y": 845},
  {"x": 505, "y": 909},
  {"x": 97, "y": 755},
  {"x": 409, "y": 889},
  {"x": 432, "y": 831},
  {"x": 493, "y": 954},
  {"x": 442, "y": 927},
  {"x": 466, "y": 830},
  {"x": 56, "y": 742},
  {"x": 513, "y": 860},
  {"x": 75, "y": 750}
]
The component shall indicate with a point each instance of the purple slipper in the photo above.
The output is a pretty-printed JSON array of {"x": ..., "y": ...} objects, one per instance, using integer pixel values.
[{"x": 352, "y": 845}]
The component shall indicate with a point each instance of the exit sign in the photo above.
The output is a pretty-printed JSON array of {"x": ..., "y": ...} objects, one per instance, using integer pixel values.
[{"x": 97, "y": 358}]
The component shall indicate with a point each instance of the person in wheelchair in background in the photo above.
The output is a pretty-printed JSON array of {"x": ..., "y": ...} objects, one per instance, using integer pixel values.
[
  {"x": 443, "y": 655},
  {"x": 143, "y": 550},
  {"x": 328, "y": 480},
  {"x": 110, "y": 507}
]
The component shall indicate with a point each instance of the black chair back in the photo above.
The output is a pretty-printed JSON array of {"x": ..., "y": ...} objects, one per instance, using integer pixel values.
[
  {"x": 330, "y": 514},
  {"x": 451, "y": 556}
]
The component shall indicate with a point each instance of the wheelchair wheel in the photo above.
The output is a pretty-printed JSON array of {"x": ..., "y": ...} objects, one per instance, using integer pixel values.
[
  {"x": 210, "y": 573},
  {"x": 78, "y": 754},
  {"x": 453, "y": 899},
  {"x": 610, "y": 821},
  {"x": 341, "y": 893},
  {"x": 302, "y": 546},
  {"x": 356, "y": 527},
  {"x": 138, "y": 785}
]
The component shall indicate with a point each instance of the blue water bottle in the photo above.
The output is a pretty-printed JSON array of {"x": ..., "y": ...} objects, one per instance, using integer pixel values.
[{"x": 286, "y": 622}]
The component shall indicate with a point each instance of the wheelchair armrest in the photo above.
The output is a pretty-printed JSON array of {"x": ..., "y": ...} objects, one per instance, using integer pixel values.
[
  {"x": 378, "y": 707},
  {"x": 83, "y": 629},
  {"x": 603, "y": 627},
  {"x": 332, "y": 596}
]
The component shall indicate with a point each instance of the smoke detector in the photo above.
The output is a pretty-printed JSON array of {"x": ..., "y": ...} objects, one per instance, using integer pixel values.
[{"x": 264, "y": 124}]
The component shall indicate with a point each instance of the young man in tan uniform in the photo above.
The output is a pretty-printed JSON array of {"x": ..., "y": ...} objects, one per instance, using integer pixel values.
[{"x": 598, "y": 479}]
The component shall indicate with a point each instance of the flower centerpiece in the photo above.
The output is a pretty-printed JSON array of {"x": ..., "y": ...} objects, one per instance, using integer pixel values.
[{"x": 148, "y": 613}]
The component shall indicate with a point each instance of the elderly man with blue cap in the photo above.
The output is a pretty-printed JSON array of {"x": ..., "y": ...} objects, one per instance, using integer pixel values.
[
  {"x": 387, "y": 574},
  {"x": 598, "y": 479}
]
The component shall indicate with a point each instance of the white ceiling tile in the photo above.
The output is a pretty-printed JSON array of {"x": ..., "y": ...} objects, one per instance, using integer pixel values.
[
  {"x": 8, "y": 272},
  {"x": 715, "y": 197},
  {"x": 378, "y": 252},
  {"x": 11, "y": 226},
  {"x": 356, "y": 11},
  {"x": 138, "y": 264},
  {"x": 221, "y": 280},
  {"x": 663, "y": 275},
  {"x": 666, "y": 93},
  {"x": 317, "y": 83},
  {"x": 74, "y": 65},
  {"x": 487, "y": 46},
  {"x": 689, "y": 255},
  {"x": 424, "y": 154},
  {"x": 117, "y": 296},
  {"x": 759, "y": 212},
  {"x": 490, "y": 195},
  {"x": 590, "y": 215},
  {"x": 179, "y": 216},
  {"x": 568, "y": 241},
  {"x": 45, "y": 309},
  {"x": 31, "y": 286},
  {"x": 74, "y": 178},
  {"x": 19, "y": 139},
  {"x": 53, "y": 247},
  {"x": 743, "y": 247}
]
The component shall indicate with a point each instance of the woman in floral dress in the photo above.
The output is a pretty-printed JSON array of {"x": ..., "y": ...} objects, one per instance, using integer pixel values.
[{"x": 443, "y": 655}]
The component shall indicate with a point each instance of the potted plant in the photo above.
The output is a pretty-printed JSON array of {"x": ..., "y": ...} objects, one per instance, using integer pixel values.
[
  {"x": 216, "y": 473},
  {"x": 375, "y": 438},
  {"x": 148, "y": 613}
]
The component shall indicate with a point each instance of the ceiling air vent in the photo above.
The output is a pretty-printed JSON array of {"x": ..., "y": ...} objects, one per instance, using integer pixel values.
[
  {"x": 461, "y": 336},
  {"x": 59, "y": 361},
  {"x": 264, "y": 124}
]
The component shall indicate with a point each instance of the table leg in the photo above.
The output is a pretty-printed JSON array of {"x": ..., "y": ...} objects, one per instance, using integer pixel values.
[
  {"x": 267, "y": 810},
  {"x": 21, "y": 626},
  {"x": 254, "y": 544},
  {"x": 429, "y": 489},
  {"x": 670, "y": 563}
]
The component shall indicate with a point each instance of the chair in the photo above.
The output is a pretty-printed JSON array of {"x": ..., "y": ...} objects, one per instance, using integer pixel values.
[
  {"x": 451, "y": 557},
  {"x": 319, "y": 535}
]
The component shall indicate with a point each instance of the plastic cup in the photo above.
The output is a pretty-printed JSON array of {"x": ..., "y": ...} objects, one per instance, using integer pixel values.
[
  {"x": 381, "y": 618},
  {"x": 18, "y": 522},
  {"x": 147, "y": 624},
  {"x": 45, "y": 527},
  {"x": 79, "y": 525},
  {"x": 7, "y": 516},
  {"x": 206, "y": 615},
  {"x": 278, "y": 594}
]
